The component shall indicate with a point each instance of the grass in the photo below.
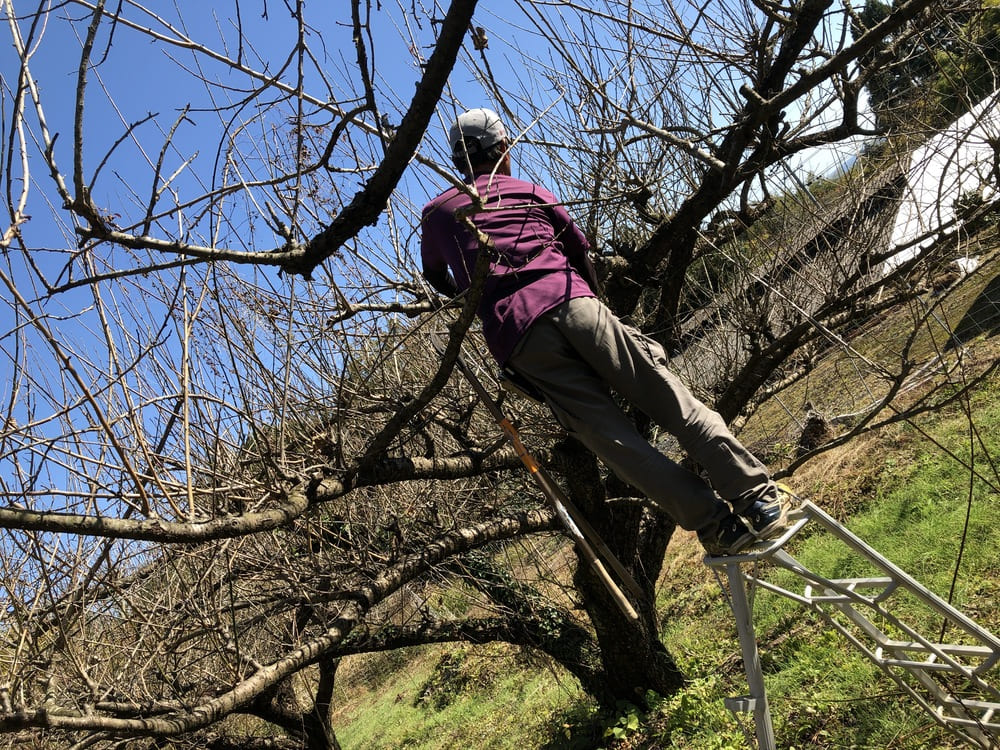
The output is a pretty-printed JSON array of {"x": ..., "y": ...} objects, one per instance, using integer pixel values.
[
  {"x": 924, "y": 493},
  {"x": 846, "y": 382},
  {"x": 822, "y": 694},
  {"x": 450, "y": 697}
]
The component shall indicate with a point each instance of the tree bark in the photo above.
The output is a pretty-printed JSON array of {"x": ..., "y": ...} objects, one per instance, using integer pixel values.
[{"x": 633, "y": 659}]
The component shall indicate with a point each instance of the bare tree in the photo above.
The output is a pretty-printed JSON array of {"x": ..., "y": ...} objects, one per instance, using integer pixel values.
[{"x": 228, "y": 460}]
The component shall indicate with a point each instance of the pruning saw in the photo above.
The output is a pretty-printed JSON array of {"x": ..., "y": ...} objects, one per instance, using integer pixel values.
[{"x": 588, "y": 542}]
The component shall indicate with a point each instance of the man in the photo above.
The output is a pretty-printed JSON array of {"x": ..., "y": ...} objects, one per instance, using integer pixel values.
[{"x": 542, "y": 320}]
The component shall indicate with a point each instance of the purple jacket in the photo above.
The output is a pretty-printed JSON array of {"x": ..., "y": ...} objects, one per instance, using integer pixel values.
[{"x": 542, "y": 255}]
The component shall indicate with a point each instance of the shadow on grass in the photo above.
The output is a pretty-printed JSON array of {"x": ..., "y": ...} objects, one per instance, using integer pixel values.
[{"x": 982, "y": 317}]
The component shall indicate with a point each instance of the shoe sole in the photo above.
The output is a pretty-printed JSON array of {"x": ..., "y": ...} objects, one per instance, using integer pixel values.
[
  {"x": 741, "y": 544},
  {"x": 736, "y": 547}
]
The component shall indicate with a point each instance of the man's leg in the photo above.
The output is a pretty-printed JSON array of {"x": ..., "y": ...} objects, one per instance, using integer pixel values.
[
  {"x": 636, "y": 367},
  {"x": 580, "y": 400}
]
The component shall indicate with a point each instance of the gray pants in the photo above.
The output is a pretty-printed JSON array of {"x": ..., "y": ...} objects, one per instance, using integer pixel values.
[{"x": 576, "y": 352}]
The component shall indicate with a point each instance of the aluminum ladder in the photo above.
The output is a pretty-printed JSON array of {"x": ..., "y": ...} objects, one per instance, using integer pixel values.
[{"x": 947, "y": 680}]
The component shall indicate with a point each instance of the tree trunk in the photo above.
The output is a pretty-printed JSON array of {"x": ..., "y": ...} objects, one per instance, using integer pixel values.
[
  {"x": 310, "y": 728},
  {"x": 633, "y": 659},
  {"x": 319, "y": 731}
]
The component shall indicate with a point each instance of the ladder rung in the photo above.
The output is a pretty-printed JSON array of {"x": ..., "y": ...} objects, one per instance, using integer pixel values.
[
  {"x": 971, "y": 703},
  {"x": 863, "y": 583},
  {"x": 923, "y": 666},
  {"x": 951, "y": 649},
  {"x": 991, "y": 726},
  {"x": 831, "y": 598},
  {"x": 854, "y": 586},
  {"x": 741, "y": 704}
]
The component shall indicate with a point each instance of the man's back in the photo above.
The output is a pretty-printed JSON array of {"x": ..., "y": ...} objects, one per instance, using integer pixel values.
[{"x": 539, "y": 253}]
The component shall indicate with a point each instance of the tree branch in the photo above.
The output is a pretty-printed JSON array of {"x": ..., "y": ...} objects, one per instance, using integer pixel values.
[{"x": 367, "y": 205}]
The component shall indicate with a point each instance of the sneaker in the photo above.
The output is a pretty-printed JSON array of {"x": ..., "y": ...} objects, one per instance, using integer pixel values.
[
  {"x": 768, "y": 519},
  {"x": 730, "y": 536}
]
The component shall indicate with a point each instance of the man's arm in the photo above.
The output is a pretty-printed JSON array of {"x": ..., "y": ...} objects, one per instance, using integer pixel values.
[
  {"x": 434, "y": 266},
  {"x": 442, "y": 281}
]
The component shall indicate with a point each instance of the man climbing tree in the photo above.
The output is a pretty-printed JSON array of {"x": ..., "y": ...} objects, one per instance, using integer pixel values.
[
  {"x": 228, "y": 459},
  {"x": 542, "y": 320}
]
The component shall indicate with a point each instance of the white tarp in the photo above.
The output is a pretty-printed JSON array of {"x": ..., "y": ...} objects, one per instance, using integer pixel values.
[{"x": 957, "y": 160}]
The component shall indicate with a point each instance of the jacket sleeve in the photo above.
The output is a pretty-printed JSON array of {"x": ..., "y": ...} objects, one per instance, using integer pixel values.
[
  {"x": 442, "y": 281},
  {"x": 434, "y": 266}
]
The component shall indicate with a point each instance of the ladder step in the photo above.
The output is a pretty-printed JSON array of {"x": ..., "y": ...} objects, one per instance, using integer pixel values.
[
  {"x": 741, "y": 704},
  {"x": 853, "y": 586},
  {"x": 921, "y": 666},
  {"x": 962, "y": 721},
  {"x": 981, "y": 658},
  {"x": 952, "y": 649},
  {"x": 864, "y": 583},
  {"x": 987, "y": 706}
]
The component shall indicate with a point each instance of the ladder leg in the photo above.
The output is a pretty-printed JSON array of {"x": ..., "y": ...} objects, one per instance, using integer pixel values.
[{"x": 751, "y": 659}]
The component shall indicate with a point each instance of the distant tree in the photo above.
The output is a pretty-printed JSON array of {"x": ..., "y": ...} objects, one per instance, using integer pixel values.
[
  {"x": 935, "y": 69},
  {"x": 970, "y": 71}
]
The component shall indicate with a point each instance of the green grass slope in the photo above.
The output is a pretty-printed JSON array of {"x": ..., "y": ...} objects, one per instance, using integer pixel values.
[{"x": 923, "y": 492}]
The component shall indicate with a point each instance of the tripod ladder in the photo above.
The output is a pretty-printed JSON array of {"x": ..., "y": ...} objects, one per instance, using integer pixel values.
[{"x": 875, "y": 615}]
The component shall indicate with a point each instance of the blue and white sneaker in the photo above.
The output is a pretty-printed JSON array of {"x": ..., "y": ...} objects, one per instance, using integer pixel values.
[
  {"x": 730, "y": 536},
  {"x": 769, "y": 519}
]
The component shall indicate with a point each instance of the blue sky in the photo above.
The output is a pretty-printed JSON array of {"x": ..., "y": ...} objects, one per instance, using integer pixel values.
[
  {"x": 137, "y": 91},
  {"x": 145, "y": 76},
  {"x": 136, "y": 94}
]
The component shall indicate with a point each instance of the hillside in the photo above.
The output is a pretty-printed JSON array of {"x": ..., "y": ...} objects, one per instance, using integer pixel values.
[{"x": 924, "y": 492}]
